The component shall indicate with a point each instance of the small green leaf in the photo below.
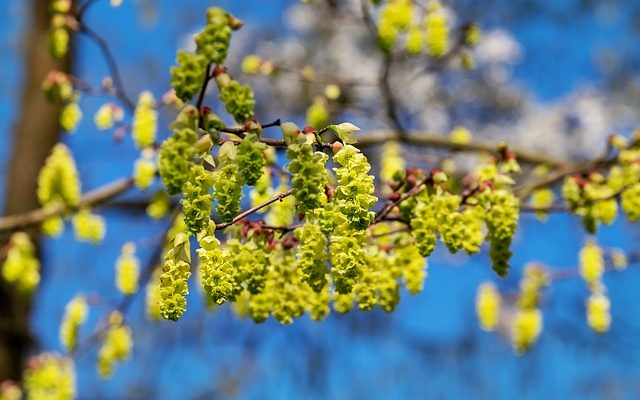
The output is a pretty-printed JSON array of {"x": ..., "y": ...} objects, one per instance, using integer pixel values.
[
  {"x": 346, "y": 132},
  {"x": 209, "y": 160}
]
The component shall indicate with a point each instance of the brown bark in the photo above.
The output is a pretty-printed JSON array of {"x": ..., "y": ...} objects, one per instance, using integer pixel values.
[{"x": 35, "y": 132}]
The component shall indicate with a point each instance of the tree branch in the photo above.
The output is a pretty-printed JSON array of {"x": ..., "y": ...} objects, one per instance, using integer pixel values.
[
  {"x": 203, "y": 90},
  {"x": 242, "y": 129},
  {"x": 444, "y": 142},
  {"x": 561, "y": 172},
  {"x": 278, "y": 197},
  {"x": 91, "y": 199}
]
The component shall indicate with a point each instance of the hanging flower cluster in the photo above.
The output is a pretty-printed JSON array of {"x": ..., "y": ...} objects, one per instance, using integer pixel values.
[
  {"x": 424, "y": 29},
  {"x": 117, "y": 344},
  {"x": 75, "y": 314},
  {"x": 324, "y": 241},
  {"x": 50, "y": 376},
  {"x": 21, "y": 267}
]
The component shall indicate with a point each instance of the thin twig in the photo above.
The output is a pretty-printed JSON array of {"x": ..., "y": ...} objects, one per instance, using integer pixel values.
[
  {"x": 84, "y": 8},
  {"x": 278, "y": 197},
  {"x": 549, "y": 209},
  {"x": 561, "y": 172},
  {"x": 243, "y": 129},
  {"x": 203, "y": 90},
  {"x": 385, "y": 74},
  {"x": 380, "y": 216},
  {"x": 425, "y": 139},
  {"x": 283, "y": 229},
  {"x": 389, "y": 99},
  {"x": 111, "y": 64}
]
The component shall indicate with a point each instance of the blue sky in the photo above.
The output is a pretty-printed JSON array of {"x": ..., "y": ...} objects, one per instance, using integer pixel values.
[{"x": 430, "y": 347}]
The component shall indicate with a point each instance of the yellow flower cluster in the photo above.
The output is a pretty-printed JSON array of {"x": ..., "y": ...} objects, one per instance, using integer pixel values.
[
  {"x": 145, "y": 121},
  {"x": 592, "y": 267},
  {"x": 598, "y": 314},
  {"x": 159, "y": 205},
  {"x": 176, "y": 271},
  {"x": 593, "y": 199},
  {"x": 391, "y": 162},
  {"x": 10, "y": 390},
  {"x": 21, "y": 267},
  {"x": 413, "y": 267},
  {"x": 107, "y": 115},
  {"x": 70, "y": 117},
  {"x": 317, "y": 114},
  {"x": 460, "y": 135},
  {"x": 488, "y": 303},
  {"x": 535, "y": 278},
  {"x": 58, "y": 181},
  {"x": 591, "y": 264},
  {"x": 378, "y": 284},
  {"x": 526, "y": 328},
  {"x": 75, "y": 314},
  {"x": 50, "y": 377},
  {"x": 527, "y": 322},
  {"x": 153, "y": 296},
  {"x": 396, "y": 16},
  {"x": 542, "y": 198},
  {"x": 144, "y": 170},
  {"x": 436, "y": 25},
  {"x": 262, "y": 191},
  {"x": 88, "y": 227},
  {"x": 52, "y": 226},
  {"x": 127, "y": 270},
  {"x": 59, "y": 28},
  {"x": 116, "y": 345}
]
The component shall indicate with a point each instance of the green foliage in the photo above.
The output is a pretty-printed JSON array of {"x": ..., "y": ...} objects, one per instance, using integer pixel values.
[
  {"x": 309, "y": 175},
  {"x": 251, "y": 159},
  {"x": 312, "y": 258},
  {"x": 50, "y": 376},
  {"x": 58, "y": 181},
  {"x": 145, "y": 121},
  {"x": 329, "y": 244},
  {"x": 21, "y": 266},
  {"x": 221, "y": 281},
  {"x": 227, "y": 184},
  {"x": 116, "y": 346},
  {"x": 75, "y": 314},
  {"x": 176, "y": 270},
  {"x": 127, "y": 270},
  {"x": 502, "y": 221},
  {"x": 88, "y": 227},
  {"x": 176, "y": 153},
  {"x": 196, "y": 203},
  {"x": 354, "y": 194},
  {"x": 347, "y": 258},
  {"x": 187, "y": 76},
  {"x": 238, "y": 100},
  {"x": 213, "y": 41}
]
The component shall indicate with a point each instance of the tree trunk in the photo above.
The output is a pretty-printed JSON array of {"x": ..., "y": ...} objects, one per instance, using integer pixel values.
[{"x": 35, "y": 133}]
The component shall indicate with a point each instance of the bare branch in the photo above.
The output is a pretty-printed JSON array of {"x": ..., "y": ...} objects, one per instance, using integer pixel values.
[
  {"x": 561, "y": 172},
  {"x": 111, "y": 63},
  {"x": 91, "y": 199},
  {"x": 444, "y": 142},
  {"x": 278, "y": 197}
]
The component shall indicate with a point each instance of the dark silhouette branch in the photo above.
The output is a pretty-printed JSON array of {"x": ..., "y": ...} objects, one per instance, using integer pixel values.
[{"x": 111, "y": 64}]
